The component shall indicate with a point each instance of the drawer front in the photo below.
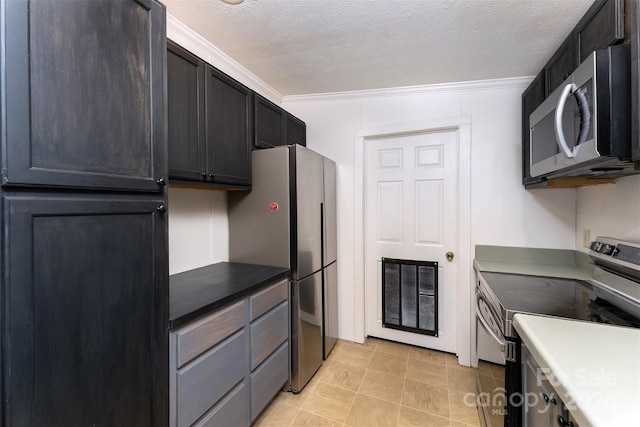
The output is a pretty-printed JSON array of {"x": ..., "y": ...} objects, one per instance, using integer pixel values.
[
  {"x": 268, "y": 379},
  {"x": 268, "y": 332},
  {"x": 265, "y": 300},
  {"x": 203, "y": 382},
  {"x": 232, "y": 411},
  {"x": 198, "y": 337}
]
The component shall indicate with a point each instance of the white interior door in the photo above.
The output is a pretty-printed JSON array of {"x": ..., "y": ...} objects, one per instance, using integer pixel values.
[{"x": 411, "y": 213}]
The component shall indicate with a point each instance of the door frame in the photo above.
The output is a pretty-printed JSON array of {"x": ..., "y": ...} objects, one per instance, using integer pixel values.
[{"x": 462, "y": 124}]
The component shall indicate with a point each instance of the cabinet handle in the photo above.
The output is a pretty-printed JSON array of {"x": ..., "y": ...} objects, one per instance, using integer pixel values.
[
  {"x": 161, "y": 208},
  {"x": 548, "y": 400},
  {"x": 564, "y": 423},
  {"x": 212, "y": 175},
  {"x": 161, "y": 182},
  {"x": 203, "y": 174}
]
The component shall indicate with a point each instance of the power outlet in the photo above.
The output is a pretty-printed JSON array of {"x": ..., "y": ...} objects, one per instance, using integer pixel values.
[{"x": 586, "y": 238}]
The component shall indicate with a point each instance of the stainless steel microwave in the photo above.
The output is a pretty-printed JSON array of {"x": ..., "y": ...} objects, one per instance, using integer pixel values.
[{"x": 583, "y": 127}]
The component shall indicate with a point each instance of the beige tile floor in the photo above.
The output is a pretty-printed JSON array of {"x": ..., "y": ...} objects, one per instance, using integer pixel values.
[
  {"x": 491, "y": 377},
  {"x": 380, "y": 383}
]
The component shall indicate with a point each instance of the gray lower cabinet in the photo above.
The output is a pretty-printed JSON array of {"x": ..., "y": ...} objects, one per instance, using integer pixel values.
[
  {"x": 269, "y": 376},
  {"x": 542, "y": 404},
  {"x": 226, "y": 367}
]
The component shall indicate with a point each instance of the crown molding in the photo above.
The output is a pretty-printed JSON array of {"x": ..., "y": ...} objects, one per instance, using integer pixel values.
[
  {"x": 511, "y": 82},
  {"x": 199, "y": 46}
]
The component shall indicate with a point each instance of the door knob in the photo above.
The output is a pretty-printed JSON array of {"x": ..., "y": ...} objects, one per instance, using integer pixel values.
[{"x": 449, "y": 256}]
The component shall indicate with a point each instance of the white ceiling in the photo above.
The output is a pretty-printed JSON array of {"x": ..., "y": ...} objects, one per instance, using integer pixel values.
[{"x": 319, "y": 46}]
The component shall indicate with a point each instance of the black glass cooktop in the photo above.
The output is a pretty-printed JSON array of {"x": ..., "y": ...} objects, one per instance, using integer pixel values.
[{"x": 541, "y": 295}]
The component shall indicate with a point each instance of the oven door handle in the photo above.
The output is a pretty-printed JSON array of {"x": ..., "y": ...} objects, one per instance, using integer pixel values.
[{"x": 484, "y": 323}]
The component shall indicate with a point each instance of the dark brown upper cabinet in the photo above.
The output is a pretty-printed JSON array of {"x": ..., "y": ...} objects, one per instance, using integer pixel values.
[
  {"x": 561, "y": 65},
  {"x": 210, "y": 123},
  {"x": 601, "y": 26},
  {"x": 531, "y": 99},
  {"x": 275, "y": 126},
  {"x": 228, "y": 129},
  {"x": 185, "y": 92},
  {"x": 295, "y": 130},
  {"x": 83, "y": 87},
  {"x": 269, "y": 123},
  {"x": 632, "y": 35},
  {"x": 606, "y": 23}
]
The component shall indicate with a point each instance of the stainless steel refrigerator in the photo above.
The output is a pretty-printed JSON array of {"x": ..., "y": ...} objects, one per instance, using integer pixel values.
[{"x": 289, "y": 220}]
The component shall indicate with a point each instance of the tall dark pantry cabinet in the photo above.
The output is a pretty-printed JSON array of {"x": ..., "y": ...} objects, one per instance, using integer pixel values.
[{"x": 84, "y": 266}]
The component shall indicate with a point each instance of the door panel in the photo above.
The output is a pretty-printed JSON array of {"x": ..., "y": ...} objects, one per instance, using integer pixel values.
[
  {"x": 308, "y": 214},
  {"x": 330, "y": 250},
  {"x": 259, "y": 220},
  {"x": 295, "y": 130},
  {"x": 411, "y": 193},
  {"x": 269, "y": 121},
  {"x": 306, "y": 329},
  {"x": 85, "y": 110},
  {"x": 330, "y": 311},
  {"x": 185, "y": 93},
  {"x": 86, "y": 306},
  {"x": 228, "y": 107}
]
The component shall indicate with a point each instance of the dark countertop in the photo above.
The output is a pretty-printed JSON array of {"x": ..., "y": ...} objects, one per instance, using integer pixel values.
[{"x": 197, "y": 292}]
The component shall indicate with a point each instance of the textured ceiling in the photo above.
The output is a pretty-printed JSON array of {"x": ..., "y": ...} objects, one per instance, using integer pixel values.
[{"x": 319, "y": 46}]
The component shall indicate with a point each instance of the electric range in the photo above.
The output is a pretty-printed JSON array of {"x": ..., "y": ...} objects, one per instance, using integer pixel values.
[{"x": 611, "y": 296}]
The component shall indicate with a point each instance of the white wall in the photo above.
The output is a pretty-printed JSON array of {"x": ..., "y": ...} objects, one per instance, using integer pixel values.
[
  {"x": 611, "y": 210},
  {"x": 198, "y": 228},
  {"x": 503, "y": 213}
]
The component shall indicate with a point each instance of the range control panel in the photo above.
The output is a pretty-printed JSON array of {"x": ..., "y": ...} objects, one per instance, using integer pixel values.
[{"x": 611, "y": 249}]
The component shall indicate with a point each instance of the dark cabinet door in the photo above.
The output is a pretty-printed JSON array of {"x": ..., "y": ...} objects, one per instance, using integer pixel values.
[
  {"x": 295, "y": 130},
  {"x": 601, "y": 26},
  {"x": 531, "y": 99},
  {"x": 185, "y": 97},
  {"x": 86, "y": 303},
  {"x": 561, "y": 65},
  {"x": 228, "y": 129},
  {"x": 269, "y": 123},
  {"x": 84, "y": 89},
  {"x": 632, "y": 16}
]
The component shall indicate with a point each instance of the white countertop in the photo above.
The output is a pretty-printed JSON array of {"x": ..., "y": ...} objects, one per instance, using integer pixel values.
[{"x": 594, "y": 365}]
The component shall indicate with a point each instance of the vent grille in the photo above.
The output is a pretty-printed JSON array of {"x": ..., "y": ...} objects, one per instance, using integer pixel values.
[{"x": 410, "y": 295}]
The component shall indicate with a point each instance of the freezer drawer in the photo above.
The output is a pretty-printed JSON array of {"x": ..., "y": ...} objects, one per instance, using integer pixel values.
[
  {"x": 306, "y": 329},
  {"x": 330, "y": 308}
]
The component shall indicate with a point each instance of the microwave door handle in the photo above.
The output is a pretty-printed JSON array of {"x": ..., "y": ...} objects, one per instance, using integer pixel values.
[
  {"x": 585, "y": 119},
  {"x": 560, "y": 139}
]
